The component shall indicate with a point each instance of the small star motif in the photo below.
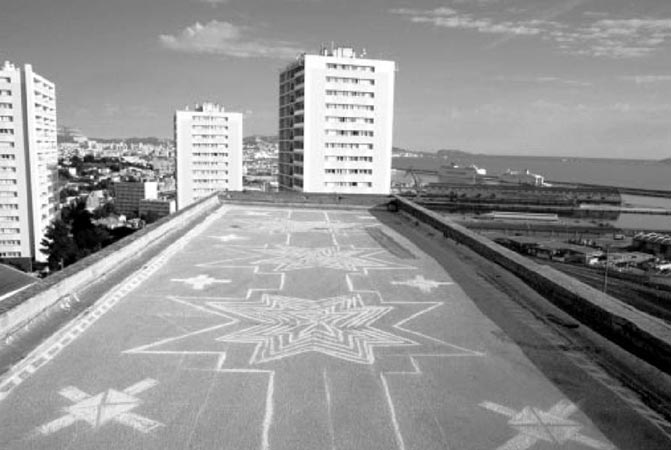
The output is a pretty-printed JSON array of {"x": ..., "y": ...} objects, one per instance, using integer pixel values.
[
  {"x": 230, "y": 238},
  {"x": 98, "y": 410},
  {"x": 424, "y": 285},
  {"x": 551, "y": 426},
  {"x": 200, "y": 282}
]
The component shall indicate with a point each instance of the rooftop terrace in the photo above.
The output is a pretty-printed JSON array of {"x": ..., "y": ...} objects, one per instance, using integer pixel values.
[{"x": 311, "y": 323}]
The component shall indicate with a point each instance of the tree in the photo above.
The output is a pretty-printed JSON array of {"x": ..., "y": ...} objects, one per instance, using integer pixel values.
[
  {"x": 105, "y": 210},
  {"x": 59, "y": 245}
]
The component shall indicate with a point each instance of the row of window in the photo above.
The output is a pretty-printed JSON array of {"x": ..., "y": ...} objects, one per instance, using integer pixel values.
[
  {"x": 350, "y": 67},
  {"x": 348, "y": 171},
  {"x": 10, "y": 254},
  {"x": 5, "y": 79},
  {"x": 336, "y": 92},
  {"x": 6, "y": 145},
  {"x": 329, "y": 158},
  {"x": 6, "y": 182},
  {"x": 5, "y": 105},
  {"x": 358, "y": 133},
  {"x": 208, "y": 119},
  {"x": 349, "y": 146},
  {"x": 211, "y": 181},
  {"x": 348, "y": 184},
  {"x": 10, "y": 242},
  {"x": 9, "y": 230},
  {"x": 7, "y": 131},
  {"x": 339, "y": 119},
  {"x": 210, "y": 163},
  {"x": 211, "y": 155},
  {"x": 210, "y": 172},
  {"x": 9, "y": 206},
  {"x": 4, "y": 92},
  {"x": 202, "y": 145},
  {"x": 210, "y": 137},
  {"x": 6, "y": 118},
  {"x": 350, "y": 107},
  {"x": 348, "y": 80}
]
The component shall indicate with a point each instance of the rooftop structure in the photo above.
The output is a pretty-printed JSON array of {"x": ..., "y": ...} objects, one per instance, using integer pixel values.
[
  {"x": 310, "y": 323},
  {"x": 336, "y": 121}
]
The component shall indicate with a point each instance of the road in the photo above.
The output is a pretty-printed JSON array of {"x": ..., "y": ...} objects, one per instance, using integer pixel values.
[{"x": 272, "y": 328}]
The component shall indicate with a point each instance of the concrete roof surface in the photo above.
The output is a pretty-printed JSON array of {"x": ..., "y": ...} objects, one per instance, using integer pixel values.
[
  {"x": 13, "y": 280},
  {"x": 292, "y": 328}
]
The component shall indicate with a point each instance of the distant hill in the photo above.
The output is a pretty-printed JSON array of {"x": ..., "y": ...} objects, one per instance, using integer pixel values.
[
  {"x": 666, "y": 161},
  {"x": 450, "y": 154},
  {"x": 135, "y": 140},
  {"x": 260, "y": 138}
]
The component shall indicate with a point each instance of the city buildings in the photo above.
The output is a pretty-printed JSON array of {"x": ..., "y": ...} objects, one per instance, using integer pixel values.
[
  {"x": 336, "y": 122},
  {"x": 208, "y": 143},
  {"x": 28, "y": 161},
  {"x": 128, "y": 195}
]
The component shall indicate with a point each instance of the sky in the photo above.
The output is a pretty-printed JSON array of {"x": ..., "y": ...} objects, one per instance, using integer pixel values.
[{"x": 524, "y": 77}]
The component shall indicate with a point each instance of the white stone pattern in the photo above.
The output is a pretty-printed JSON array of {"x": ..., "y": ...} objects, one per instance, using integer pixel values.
[
  {"x": 100, "y": 409},
  {"x": 340, "y": 327},
  {"x": 424, "y": 285},
  {"x": 553, "y": 426},
  {"x": 200, "y": 282}
]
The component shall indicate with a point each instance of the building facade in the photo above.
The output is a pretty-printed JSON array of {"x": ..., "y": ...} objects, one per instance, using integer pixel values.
[
  {"x": 336, "y": 123},
  {"x": 128, "y": 195},
  {"x": 208, "y": 143},
  {"x": 158, "y": 208},
  {"x": 28, "y": 161}
]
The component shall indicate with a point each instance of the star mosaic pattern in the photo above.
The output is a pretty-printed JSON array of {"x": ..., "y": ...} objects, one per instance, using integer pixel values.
[
  {"x": 284, "y": 226},
  {"x": 286, "y": 258},
  {"x": 535, "y": 425},
  {"x": 100, "y": 409},
  {"x": 340, "y": 327}
]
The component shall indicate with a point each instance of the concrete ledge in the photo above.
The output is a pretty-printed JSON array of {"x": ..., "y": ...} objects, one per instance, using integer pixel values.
[
  {"x": 645, "y": 336},
  {"x": 307, "y": 200},
  {"x": 25, "y": 306}
]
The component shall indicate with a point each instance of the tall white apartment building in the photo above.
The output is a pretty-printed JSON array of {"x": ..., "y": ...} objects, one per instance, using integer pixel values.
[
  {"x": 208, "y": 143},
  {"x": 28, "y": 160},
  {"x": 336, "y": 123}
]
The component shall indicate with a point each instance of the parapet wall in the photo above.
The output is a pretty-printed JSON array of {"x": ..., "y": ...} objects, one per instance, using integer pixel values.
[
  {"x": 645, "y": 336},
  {"x": 30, "y": 303}
]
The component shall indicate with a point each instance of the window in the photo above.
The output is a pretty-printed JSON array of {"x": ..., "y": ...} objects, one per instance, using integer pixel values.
[
  {"x": 350, "y": 93},
  {"x": 350, "y": 67},
  {"x": 361, "y": 133},
  {"x": 6, "y": 131}
]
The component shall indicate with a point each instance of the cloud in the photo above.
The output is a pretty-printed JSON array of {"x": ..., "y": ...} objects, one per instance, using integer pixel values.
[
  {"x": 646, "y": 79},
  {"x": 595, "y": 36},
  {"x": 224, "y": 38},
  {"x": 214, "y": 3},
  {"x": 543, "y": 80},
  {"x": 450, "y": 18}
]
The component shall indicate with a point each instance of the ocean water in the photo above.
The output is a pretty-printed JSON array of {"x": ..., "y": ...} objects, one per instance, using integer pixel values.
[{"x": 641, "y": 174}]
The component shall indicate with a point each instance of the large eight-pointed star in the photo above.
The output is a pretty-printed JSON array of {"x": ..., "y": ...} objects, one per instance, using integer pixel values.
[
  {"x": 341, "y": 327},
  {"x": 287, "y": 258}
]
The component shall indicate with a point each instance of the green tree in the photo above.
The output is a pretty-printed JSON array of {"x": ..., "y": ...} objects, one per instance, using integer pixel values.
[{"x": 59, "y": 246}]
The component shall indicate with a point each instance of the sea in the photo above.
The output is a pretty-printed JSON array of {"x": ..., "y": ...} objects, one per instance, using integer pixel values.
[{"x": 632, "y": 173}]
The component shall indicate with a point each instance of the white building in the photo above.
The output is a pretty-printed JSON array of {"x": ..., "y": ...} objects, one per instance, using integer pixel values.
[
  {"x": 208, "y": 157},
  {"x": 336, "y": 123},
  {"x": 28, "y": 160}
]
